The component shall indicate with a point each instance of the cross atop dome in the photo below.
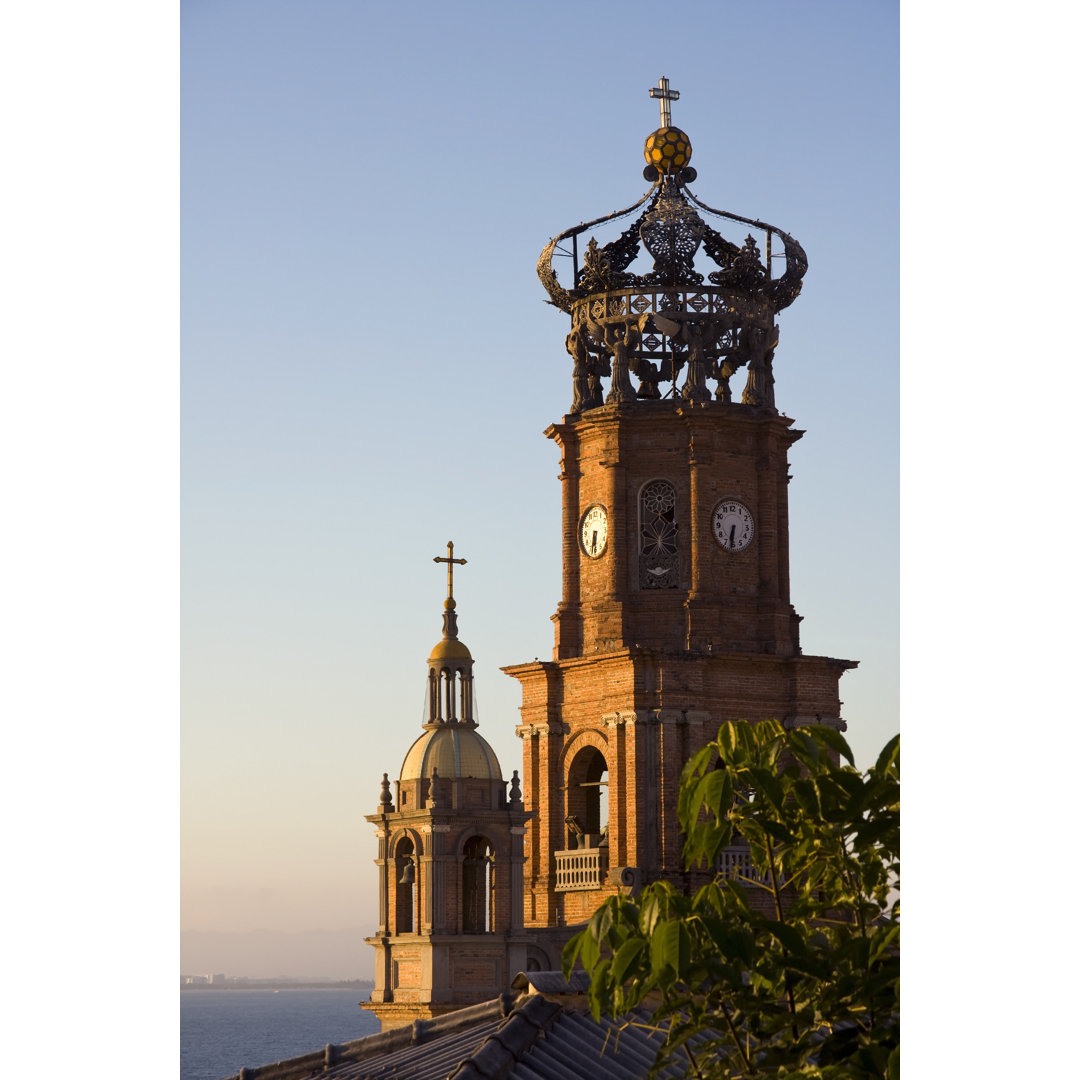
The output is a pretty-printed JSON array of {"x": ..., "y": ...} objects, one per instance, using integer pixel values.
[
  {"x": 666, "y": 96},
  {"x": 449, "y": 560},
  {"x": 450, "y": 646}
]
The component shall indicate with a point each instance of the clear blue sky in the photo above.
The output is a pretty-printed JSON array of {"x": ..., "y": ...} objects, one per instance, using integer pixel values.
[{"x": 368, "y": 365}]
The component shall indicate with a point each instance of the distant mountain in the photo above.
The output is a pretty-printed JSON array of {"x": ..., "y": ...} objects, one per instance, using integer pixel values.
[{"x": 267, "y": 954}]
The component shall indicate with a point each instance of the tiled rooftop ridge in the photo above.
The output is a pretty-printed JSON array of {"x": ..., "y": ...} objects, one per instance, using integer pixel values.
[
  {"x": 544, "y": 1032},
  {"x": 497, "y": 1054},
  {"x": 381, "y": 1043}
]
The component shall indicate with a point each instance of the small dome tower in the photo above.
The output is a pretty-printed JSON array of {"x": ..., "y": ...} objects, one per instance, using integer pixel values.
[
  {"x": 451, "y": 747},
  {"x": 450, "y": 854}
]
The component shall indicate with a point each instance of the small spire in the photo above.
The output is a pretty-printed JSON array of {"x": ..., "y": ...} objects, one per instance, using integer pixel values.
[
  {"x": 386, "y": 802},
  {"x": 666, "y": 96},
  {"x": 450, "y": 560},
  {"x": 449, "y": 618}
]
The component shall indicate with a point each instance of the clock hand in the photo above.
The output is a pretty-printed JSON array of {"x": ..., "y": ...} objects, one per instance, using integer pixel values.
[
  {"x": 594, "y": 540},
  {"x": 731, "y": 539}
]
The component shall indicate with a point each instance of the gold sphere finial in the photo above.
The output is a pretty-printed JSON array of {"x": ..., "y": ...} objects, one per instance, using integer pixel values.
[{"x": 668, "y": 150}]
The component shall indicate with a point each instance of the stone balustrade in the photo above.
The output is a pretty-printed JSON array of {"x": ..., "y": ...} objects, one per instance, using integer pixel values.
[{"x": 585, "y": 868}]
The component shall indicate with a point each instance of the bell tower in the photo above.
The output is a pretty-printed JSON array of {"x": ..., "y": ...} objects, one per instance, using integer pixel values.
[
  {"x": 450, "y": 854},
  {"x": 675, "y": 612}
]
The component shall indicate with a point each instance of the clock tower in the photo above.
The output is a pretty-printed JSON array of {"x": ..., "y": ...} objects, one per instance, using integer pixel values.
[{"x": 675, "y": 612}]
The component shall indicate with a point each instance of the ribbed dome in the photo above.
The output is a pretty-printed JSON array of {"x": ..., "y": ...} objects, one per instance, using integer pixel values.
[
  {"x": 455, "y": 750},
  {"x": 450, "y": 649}
]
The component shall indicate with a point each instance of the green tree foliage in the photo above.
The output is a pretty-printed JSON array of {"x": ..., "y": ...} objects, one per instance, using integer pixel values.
[{"x": 791, "y": 968}]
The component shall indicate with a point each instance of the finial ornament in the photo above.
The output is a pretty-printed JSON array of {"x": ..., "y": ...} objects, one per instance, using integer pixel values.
[
  {"x": 450, "y": 560},
  {"x": 666, "y": 96}
]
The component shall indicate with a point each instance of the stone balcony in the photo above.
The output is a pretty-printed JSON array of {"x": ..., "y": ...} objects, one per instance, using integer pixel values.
[{"x": 580, "y": 869}]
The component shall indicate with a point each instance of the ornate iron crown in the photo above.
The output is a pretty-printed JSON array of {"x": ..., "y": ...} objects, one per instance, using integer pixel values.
[{"x": 673, "y": 318}]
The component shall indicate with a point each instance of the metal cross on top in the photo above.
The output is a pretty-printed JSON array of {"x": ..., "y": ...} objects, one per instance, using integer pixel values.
[
  {"x": 666, "y": 96},
  {"x": 449, "y": 560}
]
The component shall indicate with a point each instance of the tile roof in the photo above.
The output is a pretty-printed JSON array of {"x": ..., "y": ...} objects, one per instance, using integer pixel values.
[{"x": 542, "y": 1034}]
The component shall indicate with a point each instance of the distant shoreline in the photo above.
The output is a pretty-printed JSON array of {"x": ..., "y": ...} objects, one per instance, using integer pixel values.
[{"x": 284, "y": 984}]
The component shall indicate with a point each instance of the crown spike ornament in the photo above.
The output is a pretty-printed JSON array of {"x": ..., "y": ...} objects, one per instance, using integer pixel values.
[{"x": 680, "y": 332}]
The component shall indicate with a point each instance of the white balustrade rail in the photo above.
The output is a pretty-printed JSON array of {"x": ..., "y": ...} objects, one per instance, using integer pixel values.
[{"x": 585, "y": 868}]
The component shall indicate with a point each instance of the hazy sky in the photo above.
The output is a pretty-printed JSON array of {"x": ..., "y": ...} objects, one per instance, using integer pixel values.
[{"x": 368, "y": 365}]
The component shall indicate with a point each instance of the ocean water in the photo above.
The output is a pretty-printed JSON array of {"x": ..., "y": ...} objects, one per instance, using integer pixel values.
[{"x": 222, "y": 1030}]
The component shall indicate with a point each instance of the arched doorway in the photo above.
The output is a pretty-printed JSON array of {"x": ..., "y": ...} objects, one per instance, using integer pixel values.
[{"x": 586, "y": 798}]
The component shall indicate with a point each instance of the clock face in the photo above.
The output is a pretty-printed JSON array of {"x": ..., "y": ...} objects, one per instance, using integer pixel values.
[
  {"x": 733, "y": 525},
  {"x": 594, "y": 532}
]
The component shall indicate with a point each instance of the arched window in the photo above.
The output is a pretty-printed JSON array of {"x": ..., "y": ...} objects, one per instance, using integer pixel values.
[
  {"x": 405, "y": 878},
  {"x": 658, "y": 546},
  {"x": 586, "y": 799},
  {"x": 478, "y": 886},
  {"x": 449, "y": 694}
]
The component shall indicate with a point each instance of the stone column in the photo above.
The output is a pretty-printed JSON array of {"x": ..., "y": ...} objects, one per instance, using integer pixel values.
[
  {"x": 567, "y": 617},
  {"x": 617, "y": 788},
  {"x": 517, "y": 877},
  {"x": 699, "y": 529}
]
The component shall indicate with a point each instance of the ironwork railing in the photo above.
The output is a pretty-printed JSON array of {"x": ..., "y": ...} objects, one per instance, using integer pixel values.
[{"x": 585, "y": 868}]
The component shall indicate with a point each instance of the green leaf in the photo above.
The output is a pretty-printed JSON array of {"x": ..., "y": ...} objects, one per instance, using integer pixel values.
[
  {"x": 571, "y": 952},
  {"x": 727, "y": 742},
  {"x": 832, "y": 738},
  {"x": 893, "y": 1071},
  {"x": 713, "y": 791},
  {"x": 600, "y": 923},
  {"x": 881, "y": 942},
  {"x": 766, "y": 733},
  {"x": 699, "y": 764},
  {"x": 832, "y": 832},
  {"x": 598, "y": 988},
  {"x": 889, "y": 758},
  {"x": 871, "y": 831},
  {"x": 670, "y": 948},
  {"x": 777, "y": 830},
  {"x": 788, "y": 936},
  {"x": 628, "y": 952},
  {"x": 650, "y": 912},
  {"x": 588, "y": 950}
]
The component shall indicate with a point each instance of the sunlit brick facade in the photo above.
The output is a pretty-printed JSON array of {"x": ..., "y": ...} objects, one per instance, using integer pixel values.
[{"x": 675, "y": 613}]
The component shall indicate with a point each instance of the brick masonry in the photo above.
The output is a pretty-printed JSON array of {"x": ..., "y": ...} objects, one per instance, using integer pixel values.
[
  {"x": 641, "y": 677},
  {"x": 645, "y": 675}
]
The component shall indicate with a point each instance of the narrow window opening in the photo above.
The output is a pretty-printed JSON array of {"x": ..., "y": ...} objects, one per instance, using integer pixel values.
[
  {"x": 405, "y": 885},
  {"x": 478, "y": 886}
]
